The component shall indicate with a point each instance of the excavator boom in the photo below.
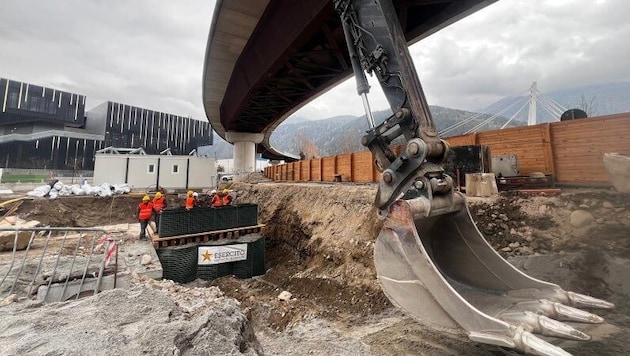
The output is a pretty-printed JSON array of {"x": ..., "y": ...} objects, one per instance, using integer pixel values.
[{"x": 430, "y": 258}]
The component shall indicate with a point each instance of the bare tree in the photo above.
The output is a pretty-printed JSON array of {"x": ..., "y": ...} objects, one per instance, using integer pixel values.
[
  {"x": 349, "y": 142},
  {"x": 589, "y": 106},
  {"x": 305, "y": 146}
]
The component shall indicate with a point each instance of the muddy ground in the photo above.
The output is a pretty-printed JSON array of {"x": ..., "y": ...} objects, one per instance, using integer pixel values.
[{"x": 319, "y": 244}]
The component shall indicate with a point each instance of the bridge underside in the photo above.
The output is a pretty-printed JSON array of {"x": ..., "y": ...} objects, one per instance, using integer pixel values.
[{"x": 266, "y": 59}]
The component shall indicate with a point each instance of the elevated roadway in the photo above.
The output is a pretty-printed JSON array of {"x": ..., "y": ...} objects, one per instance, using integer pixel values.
[{"x": 265, "y": 59}]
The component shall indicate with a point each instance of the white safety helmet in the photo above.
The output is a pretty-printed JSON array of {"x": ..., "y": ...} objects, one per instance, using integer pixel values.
[
  {"x": 195, "y": 194},
  {"x": 214, "y": 191}
]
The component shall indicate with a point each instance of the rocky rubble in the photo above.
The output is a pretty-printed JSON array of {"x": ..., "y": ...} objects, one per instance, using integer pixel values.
[
  {"x": 8, "y": 238},
  {"x": 151, "y": 318},
  {"x": 521, "y": 225}
]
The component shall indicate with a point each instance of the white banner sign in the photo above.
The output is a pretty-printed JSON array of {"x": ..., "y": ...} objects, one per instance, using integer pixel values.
[{"x": 212, "y": 255}]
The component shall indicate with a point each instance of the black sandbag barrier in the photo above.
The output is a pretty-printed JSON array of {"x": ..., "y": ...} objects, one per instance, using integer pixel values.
[
  {"x": 226, "y": 217},
  {"x": 179, "y": 263},
  {"x": 253, "y": 265},
  {"x": 179, "y": 221},
  {"x": 247, "y": 215}
]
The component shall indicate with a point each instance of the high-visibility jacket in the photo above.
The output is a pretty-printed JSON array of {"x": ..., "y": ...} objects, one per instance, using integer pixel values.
[
  {"x": 190, "y": 202},
  {"x": 158, "y": 204},
  {"x": 227, "y": 199},
  {"x": 217, "y": 201},
  {"x": 145, "y": 210}
]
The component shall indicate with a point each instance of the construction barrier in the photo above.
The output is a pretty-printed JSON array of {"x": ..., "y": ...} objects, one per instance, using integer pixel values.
[
  {"x": 177, "y": 222},
  {"x": 184, "y": 264},
  {"x": 570, "y": 151},
  {"x": 191, "y": 243}
]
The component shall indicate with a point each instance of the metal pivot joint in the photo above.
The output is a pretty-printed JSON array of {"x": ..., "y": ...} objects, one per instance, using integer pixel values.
[{"x": 378, "y": 47}]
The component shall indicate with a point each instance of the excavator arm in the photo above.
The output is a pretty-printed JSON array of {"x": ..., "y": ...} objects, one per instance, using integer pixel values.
[
  {"x": 431, "y": 259},
  {"x": 377, "y": 45}
]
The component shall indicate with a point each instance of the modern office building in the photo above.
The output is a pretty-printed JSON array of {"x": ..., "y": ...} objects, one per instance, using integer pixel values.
[
  {"x": 129, "y": 126},
  {"x": 48, "y": 128}
]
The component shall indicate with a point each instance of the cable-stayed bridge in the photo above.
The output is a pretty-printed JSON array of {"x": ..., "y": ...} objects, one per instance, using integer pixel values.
[{"x": 528, "y": 107}]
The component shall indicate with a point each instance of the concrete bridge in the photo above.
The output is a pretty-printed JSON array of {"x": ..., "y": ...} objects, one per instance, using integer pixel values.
[{"x": 265, "y": 59}]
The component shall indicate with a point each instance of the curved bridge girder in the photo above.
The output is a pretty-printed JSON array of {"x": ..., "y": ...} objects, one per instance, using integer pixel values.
[{"x": 265, "y": 59}]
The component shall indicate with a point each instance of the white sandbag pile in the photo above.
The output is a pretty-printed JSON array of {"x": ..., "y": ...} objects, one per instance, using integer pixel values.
[
  {"x": 40, "y": 191},
  {"x": 59, "y": 189}
]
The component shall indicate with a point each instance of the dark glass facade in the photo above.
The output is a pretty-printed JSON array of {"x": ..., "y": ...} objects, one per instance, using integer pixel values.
[
  {"x": 52, "y": 152},
  {"x": 50, "y": 129},
  {"x": 23, "y": 102},
  {"x": 132, "y": 127}
]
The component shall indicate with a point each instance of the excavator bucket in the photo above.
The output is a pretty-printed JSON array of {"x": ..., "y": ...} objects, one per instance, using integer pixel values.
[{"x": 442, "y": 272}]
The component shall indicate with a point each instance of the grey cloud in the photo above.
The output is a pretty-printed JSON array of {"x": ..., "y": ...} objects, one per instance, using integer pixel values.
[
  {"x": 150, "y": 53},
  {"x": 143, "y": 53}
]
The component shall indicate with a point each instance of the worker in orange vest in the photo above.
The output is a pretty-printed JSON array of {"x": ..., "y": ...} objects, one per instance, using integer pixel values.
[
  {"x": 217, "y": 200},
  {"x": 227, "y": 198},
  {"x": 190, "y": 200},
  {"x": 159, "y": 203},
  {"x": 145, "y": 211},
  {"x": 220, "y": 199}
]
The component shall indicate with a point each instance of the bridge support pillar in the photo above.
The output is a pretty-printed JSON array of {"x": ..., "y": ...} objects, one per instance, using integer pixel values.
[{"x": 244, "y": 152}]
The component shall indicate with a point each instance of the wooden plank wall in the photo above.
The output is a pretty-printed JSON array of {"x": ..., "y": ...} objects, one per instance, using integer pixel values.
[
  {"x": 363, "y": 166},
  {"x": 305, "y": 171},
  {"x": 316, "y": 170},
  {"x": 524, "y": 141},
  {"x": 462, "y": 140},
  {"x": 570, "y": 150},
  {"x": 343, "y": 166},
  {"x": 328, "y": 168},
  {"x": 579, "y": 147},
  {"x": 290, "y": 171}
]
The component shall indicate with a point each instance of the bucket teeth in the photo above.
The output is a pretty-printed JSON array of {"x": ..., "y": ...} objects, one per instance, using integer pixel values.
[
  {"x": 534, "y": 345},
  {"x": 540, "y": 324},
  {"x": 581, "y": 300},
  {"x": 560, "y": 311},
  {"x": 443, "y": 272},
  {"x": 567, "y": 313}
]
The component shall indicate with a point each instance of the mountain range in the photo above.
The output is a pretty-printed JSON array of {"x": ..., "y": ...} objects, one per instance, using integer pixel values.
[{"x": 340, "y": 134}]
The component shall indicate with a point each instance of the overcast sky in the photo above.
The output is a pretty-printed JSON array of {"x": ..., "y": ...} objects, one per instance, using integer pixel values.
[{"x": 149, "y": 53}]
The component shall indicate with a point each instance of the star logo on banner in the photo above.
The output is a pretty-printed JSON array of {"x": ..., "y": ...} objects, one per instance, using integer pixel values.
[{"x": 207, "y": 256}]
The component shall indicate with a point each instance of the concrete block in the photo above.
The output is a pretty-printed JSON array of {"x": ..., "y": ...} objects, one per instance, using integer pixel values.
[
  {"x": 618, "y": 168},
  {"x": 59, "y": 292},
  {"x": 481, "y": 185}
]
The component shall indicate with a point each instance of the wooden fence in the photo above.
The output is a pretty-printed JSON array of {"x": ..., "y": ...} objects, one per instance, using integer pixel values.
[{"x": 572, "y": 151}]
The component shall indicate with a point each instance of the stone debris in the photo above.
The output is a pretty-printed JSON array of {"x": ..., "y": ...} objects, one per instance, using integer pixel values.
[
  {"x": 7, "y": 238},
  {"x": 8, "y": 300},
  {"x": 581, "y": 218},
  {"x": 284, "y": 296},
  {"x": 152, "y": 318},
  {"x": 145, "y": 260},
  {"x": 517, "y": 226}
]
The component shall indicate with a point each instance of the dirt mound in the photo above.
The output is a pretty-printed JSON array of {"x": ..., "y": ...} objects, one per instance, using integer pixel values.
[
  {"x": 319, "y": 248},
  {"x": 85, "y": 211}
]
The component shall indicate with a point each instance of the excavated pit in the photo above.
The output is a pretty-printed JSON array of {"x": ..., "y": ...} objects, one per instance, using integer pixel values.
[{"x": 319, "y": 245}]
